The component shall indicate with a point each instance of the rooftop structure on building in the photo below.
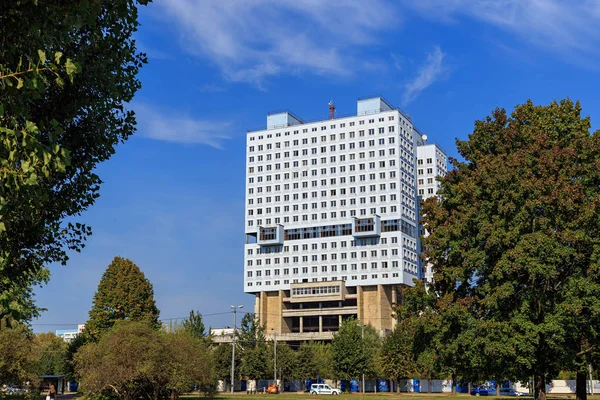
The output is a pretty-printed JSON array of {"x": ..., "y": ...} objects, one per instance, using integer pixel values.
[{"x": 331, "y": 219}]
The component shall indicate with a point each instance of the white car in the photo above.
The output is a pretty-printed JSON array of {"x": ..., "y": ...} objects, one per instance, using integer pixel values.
[{"x": 321, "y": 388}]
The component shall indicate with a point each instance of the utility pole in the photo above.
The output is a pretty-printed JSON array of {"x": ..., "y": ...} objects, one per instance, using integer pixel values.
[
  {"x": 362, "y": 326},
  {"x": 275, "y": 358},
  {"x": 234, "y": 308}
]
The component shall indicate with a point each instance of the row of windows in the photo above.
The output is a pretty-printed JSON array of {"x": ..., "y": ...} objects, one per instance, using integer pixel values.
[
  {"x": 315, "y": 161},
  {"x": 326, "y": 269},
  {"x": 321, "y": 150},
  {"x": 332, "y": 215},
  {"x": 359, "y": 242},
  {"x": 354, "y": 255},
  {"x": 332, "y": 137},
  {"x": 315, "y": 290},
  {"x": 332, "y": 203},
  {"x": 325, "y": 279}
]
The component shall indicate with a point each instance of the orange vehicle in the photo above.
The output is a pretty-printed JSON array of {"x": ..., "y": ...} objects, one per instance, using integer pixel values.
[{"x": 273, "y": 389}]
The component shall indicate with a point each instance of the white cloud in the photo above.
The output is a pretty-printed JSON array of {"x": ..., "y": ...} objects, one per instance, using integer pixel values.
[
  {"x": 427, "y": 74},
  {"x": 570, "y": 29},
  {"x": 211, "y": 88},
  {"x": 168, "y": 126},
  {"x": 256, "y": 39}
]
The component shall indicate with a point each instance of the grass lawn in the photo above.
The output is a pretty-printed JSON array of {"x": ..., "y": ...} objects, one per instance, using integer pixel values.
[{"x": 371, "y": 396}]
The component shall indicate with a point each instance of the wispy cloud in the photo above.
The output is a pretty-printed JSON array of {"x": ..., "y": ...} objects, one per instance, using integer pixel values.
[
  {"x": 160, "y": 124},
  {"x": 254, "y": 40},
  {"x": 570, "y": 29},
  {"x": 427, "y": 74},
  {"x": 211, "y": 88}
]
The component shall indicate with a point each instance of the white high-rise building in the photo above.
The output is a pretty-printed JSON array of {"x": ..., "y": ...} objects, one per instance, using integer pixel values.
[
  {"x": 331, "y": 219},
  {"x": 432, "y": 162}
]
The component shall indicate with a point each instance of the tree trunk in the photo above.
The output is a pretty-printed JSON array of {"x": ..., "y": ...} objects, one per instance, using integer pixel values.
[
  {"x": 540, "y": 387},
  {"x": 581, "y": 386},
  {"x": 498, "y": 389},
  {"x": 469, "y": 387},
  {"x": 453, "y": 383}
]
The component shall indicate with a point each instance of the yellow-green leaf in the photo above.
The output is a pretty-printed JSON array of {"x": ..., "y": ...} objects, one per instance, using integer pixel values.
[
  {"x": 57, "y": 56},
  {"x": 42, "y": 55}
]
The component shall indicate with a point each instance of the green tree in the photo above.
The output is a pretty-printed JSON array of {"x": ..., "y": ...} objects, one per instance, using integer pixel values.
[
  {"x": 221, "y": 356},
  {"x": 16, "y": 356},
  {"x": 67, "y": 70},
  {"x": 396, "y": 357},
  {"x": 194, "y": 325},
  {"x": 124, "y": 293},
  {"x": 287, "y": 362},
  {"x": 353, "y": 355},
  {"x": 50, "y": 354},
  {"x": 315, "y": 359},
  {"x": 515, "y": 227},
  {"x": 133, "y": 359},
  {"x": 255, "y": 354}
]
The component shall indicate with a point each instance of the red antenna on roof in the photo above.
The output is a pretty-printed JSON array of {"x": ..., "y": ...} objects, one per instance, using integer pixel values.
[{"x": 331, "y": 110}]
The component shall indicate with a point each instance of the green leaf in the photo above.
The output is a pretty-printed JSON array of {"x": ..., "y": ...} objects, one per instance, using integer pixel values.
[
  {"x": 31, "y": 127},
  {"x": 1, "y": 110},
  {"x": 32, "y": 180},
  {"x": 2, "y": 227},
  {"x": 42, "y": 56},
  {"x": 19, "y": 83},
  {"x": 71, "y": 67},
  {"x": 57, "y": 56}
]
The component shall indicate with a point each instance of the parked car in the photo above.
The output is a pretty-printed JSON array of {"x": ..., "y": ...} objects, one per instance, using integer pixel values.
[
  {"x": 483, "y": 391},
  {"x": 322, "y": 388},
  {"x": 511, "y": 392}
]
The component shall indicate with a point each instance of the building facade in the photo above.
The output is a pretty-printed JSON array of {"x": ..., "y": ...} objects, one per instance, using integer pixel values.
[
  {"x": 432, "y": 162},
  {"x": 331, "y": 220},
  {"x": 69, "y": 334}
]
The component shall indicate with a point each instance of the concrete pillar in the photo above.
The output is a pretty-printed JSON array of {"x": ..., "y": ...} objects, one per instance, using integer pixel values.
[
  {"x": 380, "y": 298},
  {"x": 301, "y": 324},
  {"x": 339, "y": 320},
  {"x": 359, "y": 303},
  {"x": 394, "y": 295},
  {"x": 320, "y": 323}
]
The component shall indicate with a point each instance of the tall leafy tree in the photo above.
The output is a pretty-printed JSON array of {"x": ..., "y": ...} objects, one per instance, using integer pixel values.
[
  {"x": 353, "y": 355},
  {"x": 67, "y": 70},
  {"x": 396, "y": 357},
  {"x": 194, "y": 325},
  {"x": 50, "y": 354},
  {"x": 515, "y": 227},
  {"x": 255, "y": 353},
  {"x": 287, "y": 362},
  {"x": 221, "y": 356},
  {"x": 124, "y": 293},
  {"x": 17, "y": 364},
  {"x": 315, "y": 359}
]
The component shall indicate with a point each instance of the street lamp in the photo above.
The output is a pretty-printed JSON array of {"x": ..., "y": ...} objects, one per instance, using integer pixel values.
[
  {"x": 234, "y": 308},
  {"x": 275, "y": 358},
  {"x": 362, "y": 326}
]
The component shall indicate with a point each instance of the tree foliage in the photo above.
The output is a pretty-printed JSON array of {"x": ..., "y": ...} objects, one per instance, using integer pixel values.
[
  {"x": 254, "y": 348},
  {"x": 513, "y": 238},
  {"x": 17, "y": 364},
  {"x": 396, "y": 358},
  {"x": 134, "y": 359},
  {"x": 287, "y": 362},
  {"x": 194, "y": 325},
  {"x": 50, "y": 354},
  {"x": 124, "y": 293},
  {"x": 315, "y": 359},
  {"x": 67, "y": 69},
  {"x": 353, "y": 355}
]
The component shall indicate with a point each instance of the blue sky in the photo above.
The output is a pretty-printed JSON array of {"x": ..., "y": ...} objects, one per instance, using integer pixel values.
[{"x": 173, "y": 195}]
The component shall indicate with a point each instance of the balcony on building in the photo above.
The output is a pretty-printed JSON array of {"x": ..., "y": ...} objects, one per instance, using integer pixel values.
[
  {"x": 270, "y": 235},
  {"x": 366, "y": 227}
]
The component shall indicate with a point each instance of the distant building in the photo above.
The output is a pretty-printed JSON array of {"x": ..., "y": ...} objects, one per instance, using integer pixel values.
[
  {"x": 69, "y": 334},
  {"x": 432, "y": 163},
  {"x": 331, "y": 219}
]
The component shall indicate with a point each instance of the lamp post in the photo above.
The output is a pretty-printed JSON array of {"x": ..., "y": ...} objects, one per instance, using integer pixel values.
[
  {"x": 362, "y": 326},
  {"x": 234, "y": 308},
  {"x": 275, "y": 358}
]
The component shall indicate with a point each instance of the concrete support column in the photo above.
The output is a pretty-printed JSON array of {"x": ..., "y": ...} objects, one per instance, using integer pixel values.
[
  {"x": 340, "y": 320},
  {"x": 380, "y": 297},
  {"x": 394, "y": 295},
  {"x": 301, "y": 324},
  {"x": 359, "y": 303},
  {"x": 320, "y": 323}
]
